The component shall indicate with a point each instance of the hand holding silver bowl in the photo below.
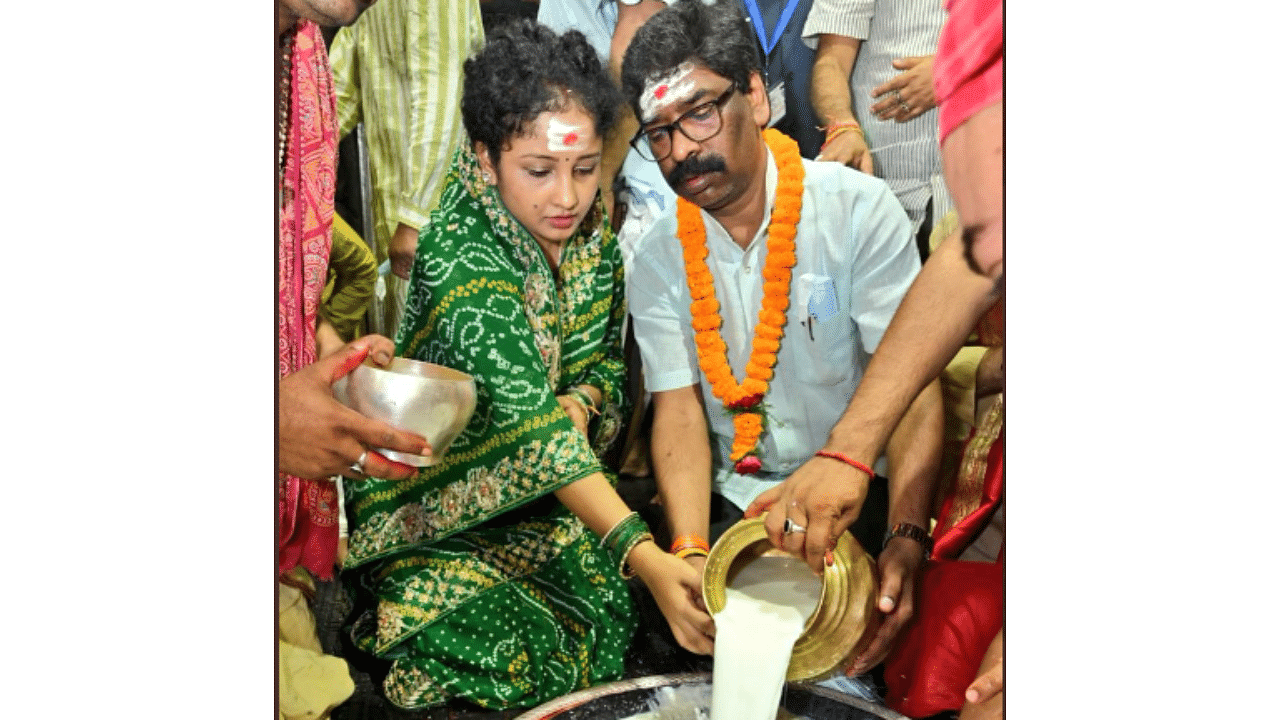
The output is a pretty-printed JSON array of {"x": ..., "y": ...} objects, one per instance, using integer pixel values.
[{"x": 434, "y": 401}]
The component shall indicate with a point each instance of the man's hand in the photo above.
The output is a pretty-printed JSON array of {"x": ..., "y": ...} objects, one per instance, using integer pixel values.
[
  {"x": 983, "y": 698},
  {"x": 909, "y": 94},
  {"x": 320, "y": 437},
  {"x": 899, "y": 563},
  {"x": 849, "y": 148},
  {"x": 824, "y": 496},
  {"x": 402, "y": 249}
]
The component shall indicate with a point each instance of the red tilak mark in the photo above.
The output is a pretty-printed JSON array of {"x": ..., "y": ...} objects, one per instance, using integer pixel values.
[
  {"x": 662, "y": 90},
  {"x": 571, "y": 139}
]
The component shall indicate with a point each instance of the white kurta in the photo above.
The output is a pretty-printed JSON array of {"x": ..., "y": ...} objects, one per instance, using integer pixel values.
[{"x": 855, "y": 260}]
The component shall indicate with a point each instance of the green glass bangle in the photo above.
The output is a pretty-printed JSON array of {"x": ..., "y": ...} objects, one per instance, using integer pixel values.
[
  {"x": 623, "y": 570},
  {"x": 620, "y": 526},
  {"x": 618, "y": 541},
  {"x": 581, "y": 396}
]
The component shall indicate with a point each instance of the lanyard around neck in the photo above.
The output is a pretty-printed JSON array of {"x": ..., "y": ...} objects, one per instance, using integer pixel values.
[{"x": 757, "y": 20}]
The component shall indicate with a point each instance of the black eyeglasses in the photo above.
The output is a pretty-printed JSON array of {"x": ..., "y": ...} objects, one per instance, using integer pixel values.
[{"x": 701, "y": 123}]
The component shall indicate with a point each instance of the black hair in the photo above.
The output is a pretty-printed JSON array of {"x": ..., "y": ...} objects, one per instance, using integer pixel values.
[
  {"x": 716, "y": 35},
  {"x": 526, "y": 69}
]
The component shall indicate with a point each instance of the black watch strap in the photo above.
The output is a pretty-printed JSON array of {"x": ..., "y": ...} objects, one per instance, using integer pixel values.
[{"x": 912, "y": 532}]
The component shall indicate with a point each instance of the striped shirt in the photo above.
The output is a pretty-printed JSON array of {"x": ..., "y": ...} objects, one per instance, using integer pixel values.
[
  {"x": 412, "y": 127},
  {"x": 906, "y": 154}
]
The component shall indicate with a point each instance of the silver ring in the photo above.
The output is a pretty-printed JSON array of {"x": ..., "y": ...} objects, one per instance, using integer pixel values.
[
  {"x": 906, "y": 107},
  {"x": 791, "y": 526},
  {"x": 358, "y": 465}
]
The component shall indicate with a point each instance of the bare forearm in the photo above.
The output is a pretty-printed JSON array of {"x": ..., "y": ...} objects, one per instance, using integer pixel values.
[
  {"x": 829, "y": 92},
  {"x": 681, "y": 451},
  {"x": 595, "y": 502},
  {"x": 829, "y": 82},
  {"x": 915, "y": 453},
  {"x": 930, "y": 326}
]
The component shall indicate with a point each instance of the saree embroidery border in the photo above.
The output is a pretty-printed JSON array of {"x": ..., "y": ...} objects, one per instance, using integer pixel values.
[{"x": 487, "y": 491}]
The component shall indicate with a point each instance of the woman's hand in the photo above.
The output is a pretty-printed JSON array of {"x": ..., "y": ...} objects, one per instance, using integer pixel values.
[
  {"x": 576, "y": 411},
  {"x": 677, "y": 587},
  {"x": 698, "y": 563}
]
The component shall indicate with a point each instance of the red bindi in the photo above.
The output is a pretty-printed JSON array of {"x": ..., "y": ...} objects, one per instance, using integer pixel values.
[
  {"x": 662, "y": 90},
  {"x": 571, "y": 139}
]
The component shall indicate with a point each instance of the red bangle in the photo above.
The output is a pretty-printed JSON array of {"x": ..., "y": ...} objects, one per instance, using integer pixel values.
[
  {"x": 689, "y": 541},
  {"x": 846, "y": 460}
]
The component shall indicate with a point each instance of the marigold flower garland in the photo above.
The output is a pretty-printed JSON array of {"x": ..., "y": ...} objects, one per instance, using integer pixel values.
[{"x": 744, "y": 400}]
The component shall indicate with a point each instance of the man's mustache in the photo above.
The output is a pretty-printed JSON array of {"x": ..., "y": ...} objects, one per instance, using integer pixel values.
[{"x": 695, "y": 165}]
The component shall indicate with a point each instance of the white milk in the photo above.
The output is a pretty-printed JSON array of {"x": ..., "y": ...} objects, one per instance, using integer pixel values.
[{"x": 766, "y": 607}]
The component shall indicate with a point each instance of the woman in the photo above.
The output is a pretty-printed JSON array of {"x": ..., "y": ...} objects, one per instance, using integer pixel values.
[{"x": 486, "y": 576}]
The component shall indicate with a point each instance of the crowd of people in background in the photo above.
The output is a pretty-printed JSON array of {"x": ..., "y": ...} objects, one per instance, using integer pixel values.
[{"x": 784, "y": 217}]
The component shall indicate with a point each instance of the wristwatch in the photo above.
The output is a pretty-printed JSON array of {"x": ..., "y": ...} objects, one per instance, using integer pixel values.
[{"x": 911, "y": 532}]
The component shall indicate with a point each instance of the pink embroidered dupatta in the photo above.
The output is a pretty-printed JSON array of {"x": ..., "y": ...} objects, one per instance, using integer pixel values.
[{"x": 308, "y": 509}]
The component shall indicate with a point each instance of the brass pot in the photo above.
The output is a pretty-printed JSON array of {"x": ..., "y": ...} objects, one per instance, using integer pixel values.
[{"x": 849, "y": 589}]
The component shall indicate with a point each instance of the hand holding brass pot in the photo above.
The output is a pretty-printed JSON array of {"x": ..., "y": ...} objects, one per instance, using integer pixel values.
[{"x": 833, "y": 634}]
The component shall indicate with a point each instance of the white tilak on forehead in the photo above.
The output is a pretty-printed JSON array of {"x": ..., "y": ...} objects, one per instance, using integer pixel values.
[
  {"x": 665, "y": 90},
  {"x": 562, "y": 136}
]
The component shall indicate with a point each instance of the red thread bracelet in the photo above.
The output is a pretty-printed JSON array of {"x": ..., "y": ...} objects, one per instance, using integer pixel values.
[{"x": 846, "y": 460}]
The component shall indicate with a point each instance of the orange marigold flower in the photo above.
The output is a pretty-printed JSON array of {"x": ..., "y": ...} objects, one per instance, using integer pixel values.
[
  {"x": 768, "y": 331},
  {"x": 788, "y": 259},
  {"x": 704, "y": 306},
  {"x": 772, "y": 316},
  {"x": 776, "y": 288},
  {"x": 706, "y": 323},
  {"x": 759, "y": 371},
  {"x": 774, "y": 302},
  {"x": 765, "y": 345},
  {"x": 709, "y": 342}
]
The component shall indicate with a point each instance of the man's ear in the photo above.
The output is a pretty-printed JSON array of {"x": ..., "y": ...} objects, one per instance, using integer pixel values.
[{"x": 758, "y": 96}]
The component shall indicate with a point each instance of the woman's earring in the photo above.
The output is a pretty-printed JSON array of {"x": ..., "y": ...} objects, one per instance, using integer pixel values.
[{"x": 487, "y": 177}]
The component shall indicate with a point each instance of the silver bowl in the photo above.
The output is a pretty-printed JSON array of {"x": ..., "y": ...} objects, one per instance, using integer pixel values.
[{"x": 434, "y": 401}]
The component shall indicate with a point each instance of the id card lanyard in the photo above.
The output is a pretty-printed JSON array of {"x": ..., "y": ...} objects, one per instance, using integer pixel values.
[
  {"x": 757, "y": 21},
  {"x": 777, "y": 96}
]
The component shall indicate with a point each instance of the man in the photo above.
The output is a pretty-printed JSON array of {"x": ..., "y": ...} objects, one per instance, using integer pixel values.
[
  {"x": 960, "y": 283},
  {"x": 399, "y": 71},
  {"x": 317, "y": 436},
  {"x": 824, "y": 278},
  {"x": 872, "y": 89}
]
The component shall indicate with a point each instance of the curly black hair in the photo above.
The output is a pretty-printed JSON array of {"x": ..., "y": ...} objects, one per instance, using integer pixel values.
[
  {"x": 717, "y": 36},
  {"x": 526, "y": 69}
]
